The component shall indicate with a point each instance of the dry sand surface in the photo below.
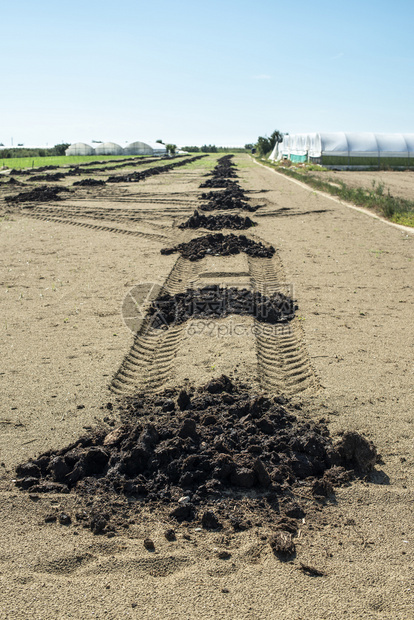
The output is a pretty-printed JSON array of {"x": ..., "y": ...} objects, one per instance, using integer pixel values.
[
  {"x": 64, "y": 279},
  {"x": 398, "y": 183}
]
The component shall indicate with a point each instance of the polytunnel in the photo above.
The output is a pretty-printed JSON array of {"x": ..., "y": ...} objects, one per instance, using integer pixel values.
[
  {"x": 348, "y": 149},
  {"x": 138, "y": 148},
  {"x": 109, "y": 148},
  {"x": 145, "y": 148},
  {"x": 79, "y": 148},
  {"x": 158, "y": 148}
]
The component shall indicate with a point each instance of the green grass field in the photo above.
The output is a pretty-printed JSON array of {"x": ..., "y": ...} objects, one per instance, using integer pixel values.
[
  {"x": 37, "y": 162},
  {"x": 207, "y": 162}
]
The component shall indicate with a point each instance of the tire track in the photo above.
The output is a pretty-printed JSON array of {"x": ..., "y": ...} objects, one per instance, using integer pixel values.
[
  {"x": 267, "y": 274},
  {"x": 110, "y": 214},
  {"x": 150, "y": 361},
  {"x": 282, "y": 361},
  {"x": 182, "y": 276},
  {"x": 135, "y": 198},
  {"x": 123, "y": 231}
]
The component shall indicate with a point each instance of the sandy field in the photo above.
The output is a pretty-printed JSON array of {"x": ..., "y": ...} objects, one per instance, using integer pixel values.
[
  {"x": 398, "y": 183},
  {"x": 68, "y": 360}
]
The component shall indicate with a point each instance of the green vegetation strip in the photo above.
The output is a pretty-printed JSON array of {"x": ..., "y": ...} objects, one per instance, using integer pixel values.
[
  {"x": 37, "y": 162},
  {"x": 394, "y": 208}
]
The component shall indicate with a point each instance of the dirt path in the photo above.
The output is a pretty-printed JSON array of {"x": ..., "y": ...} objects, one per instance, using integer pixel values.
[{"x": 65, "y": 343}]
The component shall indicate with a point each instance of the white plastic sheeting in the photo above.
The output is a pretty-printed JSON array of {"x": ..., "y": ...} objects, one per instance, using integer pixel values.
[
  {"x": 79, "y": 148},
  {"x": 108, "y": 148},
  {"x": 111, "y": 148},
  {"x": 362, "y": 144},
  {"x": 158, "y": 148},
  {"x": 145, "y": 148},
  {"x": 138, "y": 148},
  {"x": 348, "y": 146},
  {"x": 295, "y": 147}
]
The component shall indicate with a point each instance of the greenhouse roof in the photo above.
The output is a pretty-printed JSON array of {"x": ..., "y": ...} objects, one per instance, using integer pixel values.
[
  {"x": 346, "y": 144},
  {"x": 364, "y": 142}
]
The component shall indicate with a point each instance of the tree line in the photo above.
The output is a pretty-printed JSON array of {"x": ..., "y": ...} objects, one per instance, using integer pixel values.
[{"x": 57, "y": 150}]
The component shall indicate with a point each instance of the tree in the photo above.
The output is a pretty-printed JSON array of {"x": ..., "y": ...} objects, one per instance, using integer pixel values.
[
  {"x": 265, "y": 144},
  {"x": 171, "y": 148},
  {"x": 275, "y": 137},
  {"x": 61, "y": 148},
  {"x": 211, "y": 148},
  {"x": 159, "y": 141},
  {"x": 249, "y": 147}
]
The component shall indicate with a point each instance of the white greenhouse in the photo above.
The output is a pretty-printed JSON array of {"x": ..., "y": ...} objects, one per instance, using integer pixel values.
[
  {"x": 145, "y": 148},
  {"x": 158, "y": 148},
  {"x": 109, "y": 148},
  {"x": 79, "y": 148},
  {"x": 345, "y": 150}
]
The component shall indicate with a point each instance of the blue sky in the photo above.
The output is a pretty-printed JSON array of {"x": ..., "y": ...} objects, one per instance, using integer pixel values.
[{"x": 220, "y": 72}]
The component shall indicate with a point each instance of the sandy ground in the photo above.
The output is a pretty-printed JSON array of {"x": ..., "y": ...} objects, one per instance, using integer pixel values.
[
  {"x": 64, "y": 341},
  {"x": 398, "y": 183}
]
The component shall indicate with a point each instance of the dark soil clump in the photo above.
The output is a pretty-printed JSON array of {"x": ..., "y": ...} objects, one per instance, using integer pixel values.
[
  {"x": 57, "y": 176},
  {"x": 231, "y": 449},
  {"x": 81, "y": 169},
  {"x": 42, "y": 169},
  {"x": 134, "y": 177},
  {"x": 226, "y": 201},
  {"x": 224, "y": 168},
  {"x": 226, "y": 183},
  {"x": 232, "y": 193},
  {"x": 12, "y": 181},
  {"x": 217, "y": 222},
  {"x": 90, "y": 182},
  {"x": 35, "y": 170},
  {"x": 221, "y": 245},
  {"x": 232, "y": 196},
  {"x": 44, "y": 193},
  {"x": 216, "y": 302}
]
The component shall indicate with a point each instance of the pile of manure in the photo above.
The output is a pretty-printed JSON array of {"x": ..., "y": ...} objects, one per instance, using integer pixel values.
[
  {"x": 221, "y": 245},
  {"x": 44, "y": 193},
  {"x": 90, "y": 182},
  {"x": 217, "y": 456},
  {"x": 216, "y": 302},
  {"x": 217, "y": 222}
]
